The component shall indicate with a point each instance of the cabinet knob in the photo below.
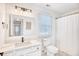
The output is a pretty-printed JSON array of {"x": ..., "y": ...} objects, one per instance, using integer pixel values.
[{"x": 37, "y": 48}]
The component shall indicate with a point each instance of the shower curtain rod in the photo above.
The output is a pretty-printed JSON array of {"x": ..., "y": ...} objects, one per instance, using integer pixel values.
[{"x": 68, "y": 14}]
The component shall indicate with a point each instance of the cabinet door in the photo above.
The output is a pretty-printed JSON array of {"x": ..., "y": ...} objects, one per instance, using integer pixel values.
[{"x": 9, "y": 53}]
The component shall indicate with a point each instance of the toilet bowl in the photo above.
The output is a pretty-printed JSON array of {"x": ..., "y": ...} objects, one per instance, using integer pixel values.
[{"x": 51, "y": 50}]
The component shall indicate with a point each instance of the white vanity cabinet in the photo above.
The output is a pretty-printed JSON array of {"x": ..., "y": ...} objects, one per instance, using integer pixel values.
[
  {"x": 27, "y": 51},
  {"x": 30, "y": 51}
]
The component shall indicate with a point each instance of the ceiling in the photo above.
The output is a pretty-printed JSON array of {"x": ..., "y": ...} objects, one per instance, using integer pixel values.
[{"x": 61, "y": 8}]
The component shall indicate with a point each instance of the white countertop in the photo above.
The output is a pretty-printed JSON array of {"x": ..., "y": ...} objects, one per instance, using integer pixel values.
[{"x": 11, "y": 46}]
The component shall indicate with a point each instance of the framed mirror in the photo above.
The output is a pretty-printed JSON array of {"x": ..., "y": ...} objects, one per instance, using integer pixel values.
[{"x": 19, "y": 25}]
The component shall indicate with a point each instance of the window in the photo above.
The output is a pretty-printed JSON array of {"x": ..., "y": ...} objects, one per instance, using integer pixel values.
[{"x": 45, "y": 25}]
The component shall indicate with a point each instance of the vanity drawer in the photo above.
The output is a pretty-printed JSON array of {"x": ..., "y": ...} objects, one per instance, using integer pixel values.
[
  {"x": 27, "y": 51},
  {"x": 35, "y": 53},
  {"x": 50, "y": 53}
]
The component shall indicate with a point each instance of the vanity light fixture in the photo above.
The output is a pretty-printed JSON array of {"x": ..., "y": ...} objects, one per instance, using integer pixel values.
[{"x": 23, "y": 9}]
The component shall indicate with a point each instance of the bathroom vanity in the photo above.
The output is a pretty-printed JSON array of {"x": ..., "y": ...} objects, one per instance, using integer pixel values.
[
  {"x": 30, "y": 48},
  {"x": 21, "y": 49}
]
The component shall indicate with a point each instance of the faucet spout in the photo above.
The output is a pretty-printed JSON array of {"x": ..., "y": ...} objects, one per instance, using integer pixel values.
[{"x": 22, "y": 39}]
